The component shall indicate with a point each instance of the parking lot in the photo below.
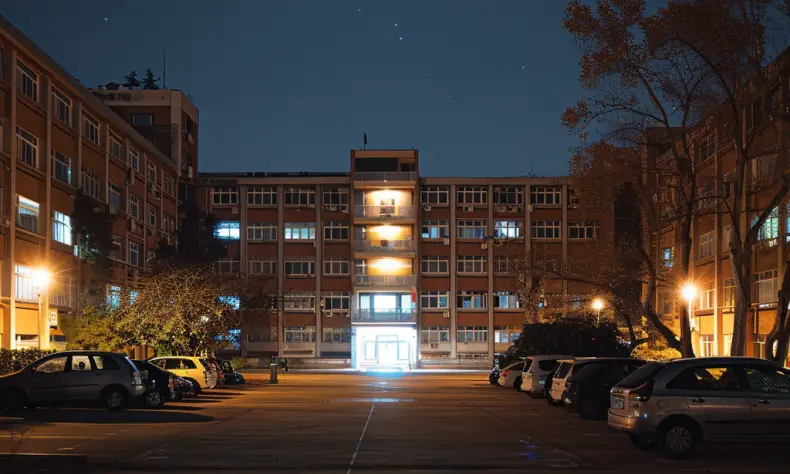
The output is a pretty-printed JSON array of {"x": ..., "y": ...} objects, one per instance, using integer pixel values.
[{"x": 433, "y": 422}]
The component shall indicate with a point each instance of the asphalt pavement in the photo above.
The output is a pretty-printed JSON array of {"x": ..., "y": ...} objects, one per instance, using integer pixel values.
[{"x": 344, "y": 423}]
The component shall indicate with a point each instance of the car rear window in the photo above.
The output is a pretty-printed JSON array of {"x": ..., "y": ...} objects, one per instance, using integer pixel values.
[
  {"x": 641, "y": 375},
  {"x": 563, "y": 370},
  {"x": 188, "y": 364},
  {"x": 547, "y": 365},
  {"x": 106, "y": 363},
  {"x": 586, "y": 369}
]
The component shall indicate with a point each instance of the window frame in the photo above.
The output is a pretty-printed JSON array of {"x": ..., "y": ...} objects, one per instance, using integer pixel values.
[
  {"x": 305, "y": 197},
  {"x": 336, "y": 231},
  {"x": 222, "y": 226},
  {"x": 471, "y": 265},
  {"x": 61, "y": 228},
  {"x": 27, "y": 80},
  {"x": 60, "y": 162},
  {"x": 539, "y": 195},
  {"x": 428, "y": 298},
  {"x": 432, "y": 195},
  {"x": 437, "y": 261},
  {"x": 503, "y": 227},
  {"x": 61, "y": 106},
  {"x": 331, "y": 263},
  {"x": 298, "y": 229},
  {"x": 478, "y": 300},
  {"x": 466, "y": 227},
  {"x": 32, "y": 209},
  {"x": 261, "y": 232},
  {"x": 91, "y": 128},
  {"x": 264, "y": 264},
  {"x": 27, "y": 147},
  {"x": 471, "y": 195},
  {"x": 255, "y": 192},
  {"x": 224, "y": 193},
  {"x": 583, "y": 230},
  {"x": 137, "y": 249},
  {"x": 299, "y": 269},
  {"x": 514, "y": 195},
  {"x": 441, "y": 226},
  {"x": 545, "y": 228}
]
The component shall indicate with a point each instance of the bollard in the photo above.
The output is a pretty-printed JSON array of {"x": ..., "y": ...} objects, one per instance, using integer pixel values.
[{"x": 272, "y": 373}]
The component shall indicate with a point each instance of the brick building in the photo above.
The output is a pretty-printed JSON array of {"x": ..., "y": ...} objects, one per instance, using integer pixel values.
[{"x": 388, "y": 268}]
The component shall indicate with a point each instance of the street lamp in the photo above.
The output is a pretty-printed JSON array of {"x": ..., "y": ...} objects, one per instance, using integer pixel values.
[
  {"x": 689, "y": 293},
  {"x": 42, "y": 278},
  {"x": 598, "y": 306}
]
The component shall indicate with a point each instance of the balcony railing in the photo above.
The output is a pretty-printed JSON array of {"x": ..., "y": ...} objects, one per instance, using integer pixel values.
[
  {"x": 384, "y": 245},
  {"x": 385, "y": 176},
  {"x": 382, "y": 316},
  {"x": 385, "y": 280},
  {"x": 384, "y": 213}
]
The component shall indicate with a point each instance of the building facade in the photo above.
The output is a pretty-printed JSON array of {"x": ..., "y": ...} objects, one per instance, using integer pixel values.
[
  {"x": 57, "y": 138},
  {"x": 387, "y": 268}
]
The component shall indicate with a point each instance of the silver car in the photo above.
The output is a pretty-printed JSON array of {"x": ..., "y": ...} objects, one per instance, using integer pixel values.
[
  {"x": 677, "y": 405},
  {"x": 110, "y": 378}
]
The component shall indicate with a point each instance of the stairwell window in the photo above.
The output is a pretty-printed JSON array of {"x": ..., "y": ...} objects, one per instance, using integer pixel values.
[
  {"x": 336, "y": 266},
  {"x": 134, "y": 159},
  {"x": 728, "y": 298},
  {"x": 27, "y": 214},
  {"x": 509, "y": 229},
  {"x": 336, "y": 301},
  {"x": 135, "y": 254},
  {"x": 90, "y": 182},
  {"x": 168, "y": 223},
  {"x": 505, "y": 264},
  {"x": 153, "y": 216},
  {"x": 170, "y": 185},
  {"x": 337, "y": 198},
  {"x": 769, "y": 231},
  {"x": 90, "y": 128},
  {"x": 134, "y": 206},
  {"x": 472, "y": 300},
  {"x": 706, "y": 147},
  {"x": 26, "y": 287},
  {"x": 27, "y": 81},
  {"x": 707, "y": 296},
  {"x": 765, "y": 284},
  {"x": 668, "y": 256},
  {"x": 61, "y": 228},
  {"x": 27, "y": 147},
  {"x": 115, "y": 198},
  {"x": 116, "y": 147}
]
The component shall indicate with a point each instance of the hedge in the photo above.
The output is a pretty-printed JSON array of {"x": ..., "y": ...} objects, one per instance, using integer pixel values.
[{"x": 13, "y": 360}]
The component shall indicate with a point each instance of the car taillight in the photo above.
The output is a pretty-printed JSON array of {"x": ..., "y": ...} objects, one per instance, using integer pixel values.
[
  {"x": 641, "y": 393},
  {"x": 505, "y": 373},
  {"x": 136, "y": 379}
]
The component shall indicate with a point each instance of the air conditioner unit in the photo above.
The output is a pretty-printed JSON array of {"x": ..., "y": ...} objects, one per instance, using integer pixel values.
[
  {"x": 502, "y": 209},
  {"x": 446, "y": 241},
  {"x": 531, "y": 208},
  {"x": 235, "y": 210},
  {"x": 189, "y": 172},
  {"x": 469, "y": 208},
  {"x": 328, "y": 315},
  {"x": 519, "y": 208},
  {"x": 511, "y": 208},
  {"x": 331, "y": 208},
  {"x": 344, "y": 209},
  {"x": 426, "y": 207},
  {"x": 484, "y": 245},
  {"x": 130, "y": 176},
  {"x": 446, "y": 314},
  {"x": 346, "y": 315}
]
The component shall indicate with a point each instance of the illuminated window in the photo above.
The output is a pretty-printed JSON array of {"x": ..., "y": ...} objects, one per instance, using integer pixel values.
[{"x": 227, "y": 230}]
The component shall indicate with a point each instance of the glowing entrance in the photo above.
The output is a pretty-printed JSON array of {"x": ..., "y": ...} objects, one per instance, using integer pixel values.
[{"x": 384, "y": 347}]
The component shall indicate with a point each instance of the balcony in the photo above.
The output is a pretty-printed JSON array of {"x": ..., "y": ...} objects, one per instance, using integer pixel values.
[
  {"x": 373, "y": 281},
  {"x": 384, "y": 213},
  {"x": 384, "y": 246},
  {"x": 377, "y": 178},
  {"x": 383, "y": 316}
]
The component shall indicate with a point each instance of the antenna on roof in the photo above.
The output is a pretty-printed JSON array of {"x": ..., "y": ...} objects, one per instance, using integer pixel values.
[
  {"x": 164, "y": 68},
  {"x": 365, "y": 138}
]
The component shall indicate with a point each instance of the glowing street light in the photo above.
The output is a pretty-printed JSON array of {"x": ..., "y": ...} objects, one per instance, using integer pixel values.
[
  {"x": 690, "y": 293},
  {"x": 597, "y": 305}
]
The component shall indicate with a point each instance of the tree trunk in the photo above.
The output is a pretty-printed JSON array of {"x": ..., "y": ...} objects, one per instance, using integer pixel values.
[
  {"x": 742, "y": 303},
  {"x": 780, "y": 333},
  {"x": 686, "y": 348}
]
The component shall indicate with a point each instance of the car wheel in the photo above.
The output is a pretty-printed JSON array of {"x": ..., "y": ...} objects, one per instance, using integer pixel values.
[
  {"x": 154, "y": 399},
  {"x": 590, "y": 408},
  {"x": 517, "y": 384},
  {"x": 195, "y": 386},
  {"x": 641, "y": 442},
  {"x": 114, "y": 399},
  {"x": 678, "y": 438}
]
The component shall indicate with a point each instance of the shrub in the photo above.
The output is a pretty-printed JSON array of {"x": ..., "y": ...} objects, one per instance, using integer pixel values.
[
  {"x": 576, "y": 335},
  {"x": 17, "y": 359}
]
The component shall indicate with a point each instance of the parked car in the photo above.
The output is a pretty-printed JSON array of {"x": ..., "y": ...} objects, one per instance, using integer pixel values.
[
  {"x": 112, "y": 379},
  {"x": 511, "y": 375},
  {"x": 231, "y": 376},
  {"x": 159, "y": 386},
  {"x": 182, "y": 387},
  {"x": 679, "y": 404},
  {"x": 535, "y": 371},
  {"x": 587, "y": 389},
  {"x": 556, "y": 390},
  {"x": 215, "y": 367},
  {"x": 189, "y": 367}
]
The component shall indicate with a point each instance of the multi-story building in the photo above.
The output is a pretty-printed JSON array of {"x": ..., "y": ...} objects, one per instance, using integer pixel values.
[
  {"x": 57, "y": 138},
  {"x": 387, "y": 268}
]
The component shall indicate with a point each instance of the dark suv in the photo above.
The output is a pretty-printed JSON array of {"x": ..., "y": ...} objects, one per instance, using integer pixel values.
[{"x": 588, "y": 388}]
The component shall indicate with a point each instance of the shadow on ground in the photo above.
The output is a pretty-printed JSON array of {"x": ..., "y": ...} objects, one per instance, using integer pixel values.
[{"x": 99, "y": 416}]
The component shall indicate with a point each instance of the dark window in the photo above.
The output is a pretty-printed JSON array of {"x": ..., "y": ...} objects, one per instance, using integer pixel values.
[
  {"x": 547, "y": 365},
  {"x": 563, "y": 370},
  {"x": 105, "y": 363},
  {"x": 767, "y": 379},
  {"x": 376, "y": 164},
  {"x": 188, "y": 364},
  {"x": 52, "y": 366},
  {"x": 705, "y": 378},
  {"x": 142, "y": 120},
  {"x": 171, "y": 364}
]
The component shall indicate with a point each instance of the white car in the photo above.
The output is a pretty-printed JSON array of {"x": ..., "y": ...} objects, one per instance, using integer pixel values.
[
  {"x": 191, "y": 368},
  {"x": 558, "y": 382},
  {"x": 535, "y": 371},
  {"x": 511, "y": 375}
]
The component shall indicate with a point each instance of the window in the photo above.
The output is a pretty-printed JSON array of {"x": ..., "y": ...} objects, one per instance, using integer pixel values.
[
  {"x": 468, "y": 195},
  {"x": 90, "y": 128},
  {"x": 115, "y": 198},
  {"x": 61, "y": 106},
  {"x": 262, "y": 196},
  {"x": 550, "y": 195},
  {"x": 142, "y": 120},
  {"x": 260, "y": 231},
  {"x": 668, "y": 256},
  {"x": 435, "y": 195},
  {"x": 299, "y": 231},
  {"x": 152, "y": 174},
  {"x": 170, "y": 187},
  {"x": 116, "y": 147},
  {"x": 299, "y": 301},
  {"x": 335, "y": 266},
  {"x": 227, "y": 230},
  {"x": 134, "y": 206},
  {"x": 336, "y": 301},
  {"x": 337, "y": 334},
  {"x": 104, "y": 363},
  {"x": 705, "y": 378},
  {"x": 706, "y": 147},
  {"x": 262, "y": 267},
  {"x": 435, "y": 264},
  {"x": 508, "y": 229},
  {"x": 513, "y": 195},
  {"x": 765, "y": 287},
  {"x": 222, "y": 196},
  {"x": 299, "y": 269},
  {"x": 134, "y": 159},
  {"x": 583, "y": 230},
  {"x": 506, "y": 300},
  {"x": 706, "y": 345},
  {"x": 759, "y": 345},
  {"x": 117, "y": 248},
  {"x": 769, "y": 231},
  {"x": 27, "y": 147},
  {"x": 27, "y": 214},
  {"x": 135, "y": 254},
  {"x": 435, "y": 334},
  {"x": 472, "y": 334},
  {"x": 61, "y": 166},
  {"x": 169, "y": 224},
  {"x": 471, "y": 264},
  {"x": 728, "y": 300},
  {"x": 300, "y": 334},
  {"x": 153, "y": 216},
  {"x": 54, "y": 365},
  {"x": 764, "y": 169},
  {"x": 90, "y": 182},
  {"x": 767, "y": 379},
  {"x": 511, "y": 335},
  {"x": 226, "y": 267},
  {"x": 505, "y": 264},
  {"x": 707, "y": 296},
  {"x": 435, "y": 299},
  {"x": 435, "y": 229},
  {"x": 26, "y": 286},
  {"x": 61, "y": 228},
  {"x": 705, "y": 246},
  {"x": 666, "y": 302},
  {"x": 27, "y": 81},
  {"x": 335, "y": 230},
  {"x": 472, "y": 300},
  {"x": 472, "y": 229},
  {"x": 753, "y": 113},
  {"x": 546, "y": 229},
  {"x": 299, "y": 197},
  {"x": 336, "y": 197}
]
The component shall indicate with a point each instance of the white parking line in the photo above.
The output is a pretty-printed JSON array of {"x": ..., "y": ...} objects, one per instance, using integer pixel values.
[{"x": 359, "y": 444}]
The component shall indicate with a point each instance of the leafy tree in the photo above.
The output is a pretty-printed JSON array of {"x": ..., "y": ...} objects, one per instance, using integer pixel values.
[
  {"x": 131, "y": 80},
  {"x": 91, "y": 227},
  {"x": 197, "y": 241},
  {"x": 576, "y": 334},
  {"x": 94, "y": 329},
  {"x": 150, "y": 82}
]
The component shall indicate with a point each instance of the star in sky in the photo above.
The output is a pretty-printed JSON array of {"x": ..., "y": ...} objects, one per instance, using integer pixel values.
[
  {"x": 106, "y": 19},
  {"x": 400, "y": 38}
]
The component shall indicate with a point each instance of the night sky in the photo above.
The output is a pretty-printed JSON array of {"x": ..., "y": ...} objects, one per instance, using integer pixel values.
[{"x": 291, "y": 85}]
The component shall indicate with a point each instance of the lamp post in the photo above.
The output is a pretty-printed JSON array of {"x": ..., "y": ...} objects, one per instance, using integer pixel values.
[
  {"x": 690, "y": 293},
  {"x": 598, "y": 306},
  {"x": 42, "y": 279}
]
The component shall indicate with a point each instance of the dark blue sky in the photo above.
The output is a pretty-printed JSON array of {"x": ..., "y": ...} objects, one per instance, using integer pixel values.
[{"x": 291, "y": 85}]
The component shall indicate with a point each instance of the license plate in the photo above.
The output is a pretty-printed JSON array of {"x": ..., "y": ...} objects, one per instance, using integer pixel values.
[{"x": 617, "y": 402}]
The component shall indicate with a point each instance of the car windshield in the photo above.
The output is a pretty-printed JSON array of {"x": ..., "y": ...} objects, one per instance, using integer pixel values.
[{"x": 641, "y": 375}]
